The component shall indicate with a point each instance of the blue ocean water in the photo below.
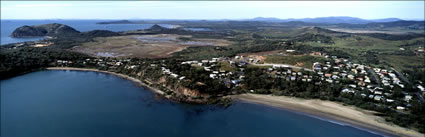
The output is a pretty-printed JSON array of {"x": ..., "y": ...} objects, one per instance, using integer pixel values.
[
  {"x": 8, "y": 26},
  {"x": 83, "y": 104}
]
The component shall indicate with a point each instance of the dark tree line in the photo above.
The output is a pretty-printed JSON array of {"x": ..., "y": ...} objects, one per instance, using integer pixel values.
[{"x": 17, "y": 61}]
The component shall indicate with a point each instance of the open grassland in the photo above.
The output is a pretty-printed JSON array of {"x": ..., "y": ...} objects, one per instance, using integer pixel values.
[
  {"x": 385, "y": 31},
  {"x": 145, "y": 46},
  {"x": 305, "y": 61},
  {"x": 364, "y": 43},
  {"x": 403, "y": 62},
  {"x": 286, "y": 32}
]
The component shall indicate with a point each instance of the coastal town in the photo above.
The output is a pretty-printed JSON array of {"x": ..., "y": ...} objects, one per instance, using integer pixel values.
[
  {"x": 212, "y": 69},
  {"x": 382, "y": 86}
]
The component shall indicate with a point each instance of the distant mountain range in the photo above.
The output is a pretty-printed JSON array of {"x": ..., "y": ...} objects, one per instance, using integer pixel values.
[
  {"x": 319, "y": 20},
  {"x": 339, "y": 22},
  {"x": 328, "y": 20}
]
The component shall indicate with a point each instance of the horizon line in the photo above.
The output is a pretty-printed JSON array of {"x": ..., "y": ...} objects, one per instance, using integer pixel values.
[{"x": 405, "y": 19}]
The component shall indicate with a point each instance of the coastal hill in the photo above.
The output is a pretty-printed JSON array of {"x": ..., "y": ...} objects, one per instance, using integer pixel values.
[
  {"x": 58, "y": 30},
  {"x": 157, "y": 28},
  {"x": 99, "y": 33},
  {"x": 44, "y": 30}
]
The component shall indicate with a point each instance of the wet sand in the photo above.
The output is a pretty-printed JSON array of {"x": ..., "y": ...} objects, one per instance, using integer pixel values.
[{"x": 351, "y": 115}]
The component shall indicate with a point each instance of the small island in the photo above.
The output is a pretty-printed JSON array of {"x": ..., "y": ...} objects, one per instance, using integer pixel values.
[{"x": 117, "y": 22}]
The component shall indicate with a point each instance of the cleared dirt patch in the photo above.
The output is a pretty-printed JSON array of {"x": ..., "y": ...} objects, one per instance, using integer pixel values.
[
  {"x": 144, "y": 46},
  {"x": 305, "y": 61}
]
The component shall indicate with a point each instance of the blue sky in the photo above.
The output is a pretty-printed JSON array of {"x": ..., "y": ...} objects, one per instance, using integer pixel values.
[{"x": 208, "y": 9}]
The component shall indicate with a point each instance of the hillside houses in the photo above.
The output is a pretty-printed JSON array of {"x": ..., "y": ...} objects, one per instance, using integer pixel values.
[
  {"x": 362, "y": 78},
  {"x": 373, "y": 84},
  {"x": 213, "y": 71},
  {"x": 388, "y": 78},
  {"x": 287, "y": 73},
  {"x": 63, "y": 62},
  {"x": 340, "y": 69}
]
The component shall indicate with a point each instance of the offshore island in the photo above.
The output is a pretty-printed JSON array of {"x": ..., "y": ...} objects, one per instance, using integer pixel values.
[{"x": 351, "y": 73}]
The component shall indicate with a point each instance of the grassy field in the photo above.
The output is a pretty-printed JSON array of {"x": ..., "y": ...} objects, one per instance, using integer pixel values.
[
  {"x": 226, "y": 66},
  {"x": 403, "y": 62},
  {"x": 363, "y": 43},
  {"x": 287, "y": 32},
  {"x": 144, "y": 46},
  {"x": 386, "y": 31},
  {"x": 305, "y": 61}
]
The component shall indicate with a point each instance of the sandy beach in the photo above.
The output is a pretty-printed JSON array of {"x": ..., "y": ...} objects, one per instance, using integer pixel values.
[
  {"x": 333, "y": 111},
  {"x": 137, "y": 81}
]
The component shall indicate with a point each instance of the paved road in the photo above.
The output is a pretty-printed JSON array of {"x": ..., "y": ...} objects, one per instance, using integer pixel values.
[
  {"x": 291, "y": 66},
  {"x": 404, "y": 79}
]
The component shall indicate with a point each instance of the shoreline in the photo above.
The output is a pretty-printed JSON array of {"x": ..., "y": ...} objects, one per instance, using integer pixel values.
[
  {"x": 332, "y": 112},
  {"x": 324, "y": 110},
  {"x": 137, "y": 81}
]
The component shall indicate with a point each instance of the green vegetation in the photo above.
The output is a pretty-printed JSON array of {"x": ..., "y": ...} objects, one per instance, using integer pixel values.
[
  {"x": 403, "y": 62},
  {"x": 305, "y": 61},
  {"x": 14, "y": 62},
  {"x": 226, "y": 66}
]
